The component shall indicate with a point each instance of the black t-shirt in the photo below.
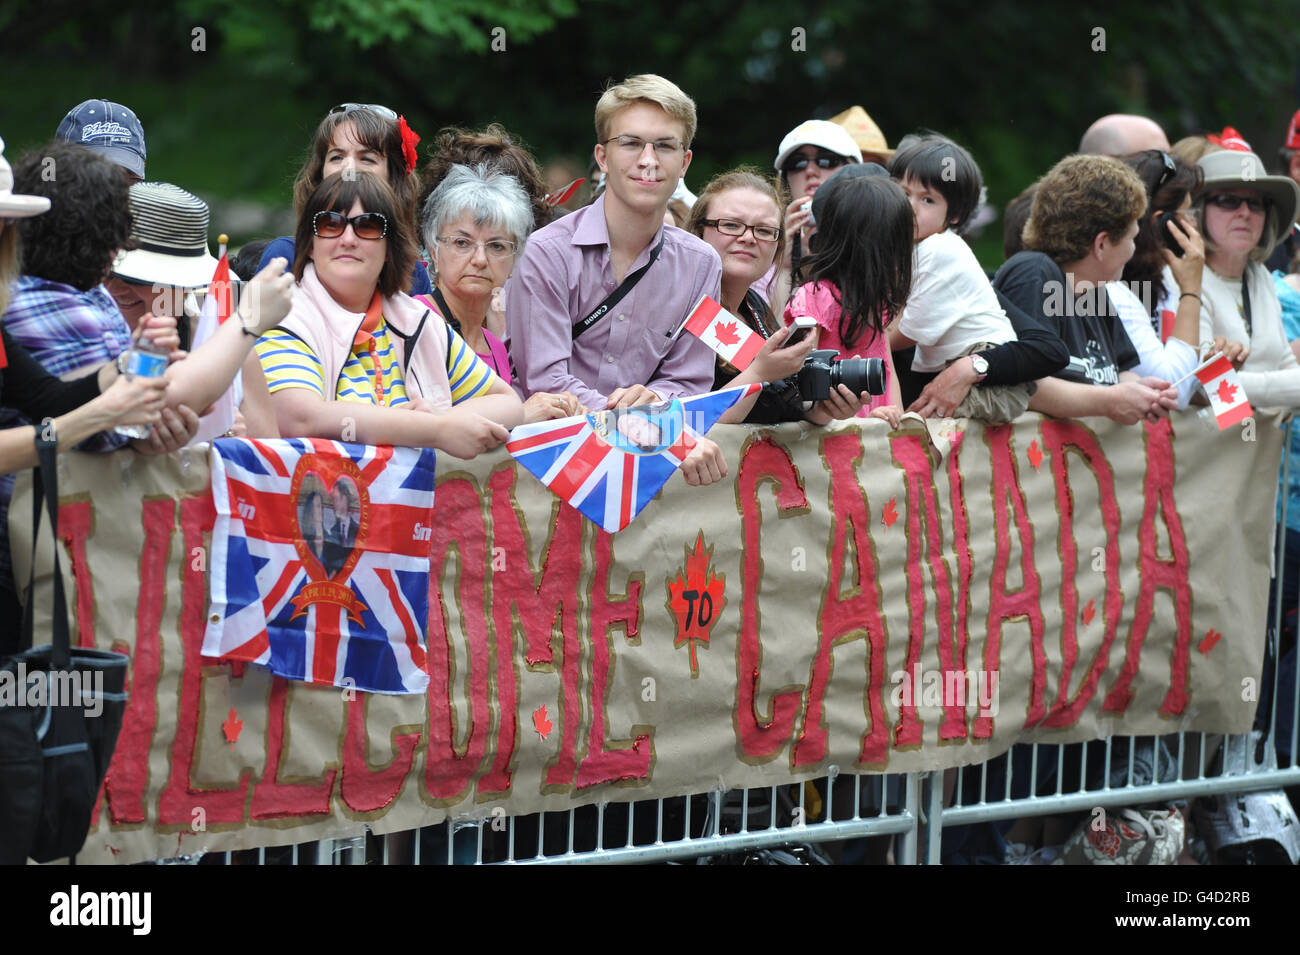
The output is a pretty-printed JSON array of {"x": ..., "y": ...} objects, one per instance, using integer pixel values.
[
  {"x": 779, "y": 400},
  {"x": 1099, "y": 347}
]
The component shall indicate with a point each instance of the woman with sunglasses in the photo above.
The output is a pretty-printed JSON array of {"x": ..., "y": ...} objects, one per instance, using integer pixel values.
[
  {"x": 1163, "y": 319},
  {"x": 738, "y": 213},
  {"x": 358, "y": 359},
  {"x": 809, "y": 155},
  {"x": 359, "y": 137},
  {"x": 1244, "y": 213}
]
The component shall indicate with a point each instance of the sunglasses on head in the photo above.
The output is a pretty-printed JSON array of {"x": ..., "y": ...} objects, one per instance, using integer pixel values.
[
  {"x": 799, "y": 162},
  {"x": 1230, "y": 203},
  {"x": 331, "y": 225},
  {"x": 1168, "y": 172},
  {"x": 383, "y": 111}
]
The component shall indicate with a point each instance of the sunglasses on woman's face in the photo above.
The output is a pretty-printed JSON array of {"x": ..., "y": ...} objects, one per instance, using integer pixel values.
[
  {"x": 799, "y": 162},
  {"x": 1230, "y": 203},
  {"x": 331, "y": 225}
]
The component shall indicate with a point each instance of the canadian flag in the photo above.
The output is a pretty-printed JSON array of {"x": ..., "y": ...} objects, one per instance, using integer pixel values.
[
  {"x": 216, "y": 310},
  {"x": 1227, "y": 397},
  {"x": 726, "y": 334}
]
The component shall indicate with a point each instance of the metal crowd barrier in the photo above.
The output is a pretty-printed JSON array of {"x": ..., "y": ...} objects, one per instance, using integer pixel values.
[{"x": 912, "y": 809}]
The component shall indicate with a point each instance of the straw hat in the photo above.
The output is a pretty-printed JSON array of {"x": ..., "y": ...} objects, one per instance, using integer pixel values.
[
  {"x": 864, "y": 131},
  {"x": 12, "y": 204},
  {"x": 1231, "y": 169},
  {"x": 171, "y": 227}
]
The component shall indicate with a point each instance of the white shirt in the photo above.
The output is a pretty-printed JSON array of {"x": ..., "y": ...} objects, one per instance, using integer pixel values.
[
  {"x": 1170, "y": 360},
  {"x": 952, "y": 306}
]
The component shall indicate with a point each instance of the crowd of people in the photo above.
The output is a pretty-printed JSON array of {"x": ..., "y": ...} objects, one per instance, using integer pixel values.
[{"x": 440, "y": 302}]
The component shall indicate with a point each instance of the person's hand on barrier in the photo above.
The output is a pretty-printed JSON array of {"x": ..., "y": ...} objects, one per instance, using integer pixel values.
[
  {"x": 174, "y": 429},
  {"x": 631, "y": 397},
  {"x": 544, "y": 406},
  {"x": 465, "y": 434},
  {"x": 891, "y": 413},
  {"x": 775, "y": 360},
  {"x": 268, "y": 297},
  {"x": 946, "y": 390},
  {"x": 705, "y": 464},
  {"x": 162, "y": 334}
]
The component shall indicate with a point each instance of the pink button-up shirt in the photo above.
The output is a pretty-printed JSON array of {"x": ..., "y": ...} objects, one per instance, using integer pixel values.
[{"x": 566, "y": 271}]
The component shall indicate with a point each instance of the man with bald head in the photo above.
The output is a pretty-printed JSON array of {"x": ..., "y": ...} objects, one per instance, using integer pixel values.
[{"x": 1120, "y": 134}]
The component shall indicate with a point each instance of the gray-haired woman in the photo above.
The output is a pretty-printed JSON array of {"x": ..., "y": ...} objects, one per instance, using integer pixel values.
[{"x": 475, "y": 225}]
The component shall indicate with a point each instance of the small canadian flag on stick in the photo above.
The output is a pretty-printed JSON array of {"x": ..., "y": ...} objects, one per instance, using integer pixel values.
[
  {"x": 726, "y": 334},
  {"x": 1227, "y": 397}
]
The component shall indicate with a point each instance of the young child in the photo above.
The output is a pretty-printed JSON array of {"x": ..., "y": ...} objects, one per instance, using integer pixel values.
[
  {"x": 857, "y": 276},
  {"x": 952, "y": 313}
]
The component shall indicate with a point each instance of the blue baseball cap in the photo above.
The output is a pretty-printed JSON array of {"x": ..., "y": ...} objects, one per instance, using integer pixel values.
[{"x": 110, "y": 129}]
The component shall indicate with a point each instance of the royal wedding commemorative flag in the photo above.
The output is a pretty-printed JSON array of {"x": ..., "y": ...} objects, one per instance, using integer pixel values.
[
  {"x": 320, "y": 561},
  {"x": 726, "y": 334},
  {"x": 609, "y": 465},
  {"x": 1227, "y": 397}
]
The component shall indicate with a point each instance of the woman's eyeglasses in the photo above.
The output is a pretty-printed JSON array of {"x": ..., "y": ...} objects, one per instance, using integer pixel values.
[
  {"x": 462, "y": 247},
  {"x": 331, "y": 225},
  {"x": 383, "y": 111},
  {"x": 1230, "y": 203},
  {"x": 764, "y": 233},
  {"x": 799, "y": 162}
]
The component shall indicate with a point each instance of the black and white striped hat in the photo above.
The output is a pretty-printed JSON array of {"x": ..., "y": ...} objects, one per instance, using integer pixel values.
[{"x": 171, "y": 227}]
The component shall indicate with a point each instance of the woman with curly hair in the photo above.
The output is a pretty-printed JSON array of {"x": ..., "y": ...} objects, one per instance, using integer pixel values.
[
  {"x": 355, "y": 138},
  {"x": 1079, "y": 236},
  {"x": 495, "y": 148}
]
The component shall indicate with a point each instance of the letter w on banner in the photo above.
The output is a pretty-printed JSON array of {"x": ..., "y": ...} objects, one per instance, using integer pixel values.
[
  {"x": 610, "y": 465},
  {"x": 320, "y": 562}
]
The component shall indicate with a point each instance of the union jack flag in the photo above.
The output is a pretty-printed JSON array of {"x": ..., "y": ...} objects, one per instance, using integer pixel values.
[
  {"x": 611, "y": 464},
  {"x": 320, "y": 561}
]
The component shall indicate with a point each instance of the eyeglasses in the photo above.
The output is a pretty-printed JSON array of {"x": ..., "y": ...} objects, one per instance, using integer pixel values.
[
  {"x": 763, "y": 233},
  {"x": 635, "y": 145},
  {"x": 383, "y": 111},
  {"x": 462, "y": 247},
  {"x": 1230, "y": 203},
  {"x": 331, "y": 225},
  {"x": 800, "y": 161}
]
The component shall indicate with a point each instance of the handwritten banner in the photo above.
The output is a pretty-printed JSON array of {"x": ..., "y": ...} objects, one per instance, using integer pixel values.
[{"x": 851, "y": 596}]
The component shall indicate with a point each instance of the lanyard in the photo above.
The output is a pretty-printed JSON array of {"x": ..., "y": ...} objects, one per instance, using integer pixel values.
[{"x": 614, "y": 297}]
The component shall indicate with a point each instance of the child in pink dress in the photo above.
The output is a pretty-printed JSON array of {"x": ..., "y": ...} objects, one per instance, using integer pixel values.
[{"x": 858, "y": 276}]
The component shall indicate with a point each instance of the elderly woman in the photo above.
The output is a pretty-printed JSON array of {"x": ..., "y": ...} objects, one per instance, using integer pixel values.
[
  {"x": 359, "y": 137},
  {"x": 360, "y": 360},
  {"x": 475, "y": 225},
  {"x": 1244, "y": 213}
]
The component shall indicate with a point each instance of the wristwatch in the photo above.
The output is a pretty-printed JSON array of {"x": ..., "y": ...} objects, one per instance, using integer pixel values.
[{"x": 981, "y": 366}]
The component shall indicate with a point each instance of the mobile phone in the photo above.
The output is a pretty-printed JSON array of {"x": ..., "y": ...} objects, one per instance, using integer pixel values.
[
  {"x": 801, "y": 327},
  {"x": 1166, "y": 234}
]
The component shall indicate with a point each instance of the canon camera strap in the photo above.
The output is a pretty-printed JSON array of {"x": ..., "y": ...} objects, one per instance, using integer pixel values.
[{"x": 614, "y": 297}]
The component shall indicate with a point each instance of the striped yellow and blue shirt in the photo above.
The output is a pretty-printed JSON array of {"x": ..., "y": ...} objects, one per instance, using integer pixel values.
[{"x": 288, "y": 362}]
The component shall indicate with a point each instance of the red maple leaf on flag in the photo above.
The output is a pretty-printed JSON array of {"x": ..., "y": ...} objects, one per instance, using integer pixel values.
[
  {"x": 725, "y": 333},
  {"x": 232, "y": 727},
  {"x": 1035, "y": 454},
  {"x": 541, "y": 723},
  {"x": 1227, "y": 392},
  {"x": 891, "y": 513},
  {"x": 696, "y": 599},
  {"x": 1089, "y": 612}
]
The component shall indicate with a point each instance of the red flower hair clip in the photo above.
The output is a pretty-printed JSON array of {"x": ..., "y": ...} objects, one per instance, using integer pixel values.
[{"x": 410, "y": 139}]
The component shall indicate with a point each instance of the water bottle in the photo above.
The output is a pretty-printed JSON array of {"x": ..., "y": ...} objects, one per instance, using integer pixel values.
[{"x": 145, "y": 360}]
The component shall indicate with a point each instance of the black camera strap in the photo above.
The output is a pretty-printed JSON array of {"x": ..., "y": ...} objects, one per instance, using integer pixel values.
[
  {"x": 1245, "y": 300},
  {"x": 616, "y": 296}
]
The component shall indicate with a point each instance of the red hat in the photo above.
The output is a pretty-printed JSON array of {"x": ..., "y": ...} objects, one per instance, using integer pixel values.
[
  {"x": 1293, "y": 132},
  {"x": 1230, "y": 139}
]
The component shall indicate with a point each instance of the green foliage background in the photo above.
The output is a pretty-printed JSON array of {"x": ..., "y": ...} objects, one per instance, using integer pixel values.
[{"x": 1015, "y": 82}]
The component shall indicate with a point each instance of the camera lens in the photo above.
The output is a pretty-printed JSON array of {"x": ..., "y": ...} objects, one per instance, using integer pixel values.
[{"x": 859, "y": 374}]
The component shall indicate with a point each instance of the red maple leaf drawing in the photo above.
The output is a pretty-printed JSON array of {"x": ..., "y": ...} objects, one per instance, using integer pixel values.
[
  {"x": 232, "y": 727},
  {"x": 1227, "y": 392},
  {"x": 1089, "y": 612},
  {"x": 541, "y": 723},
  {"x": 1035, "y": 454},
  {"x": 696, "y": 599},
  {"x": 725, "y": 333},
  {"x": 891, "y": 513},
  {"x": 1207, "y": 643}
]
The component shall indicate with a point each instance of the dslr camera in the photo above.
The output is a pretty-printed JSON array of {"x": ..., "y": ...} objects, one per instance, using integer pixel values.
[{"x": 822, "y": 371}]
